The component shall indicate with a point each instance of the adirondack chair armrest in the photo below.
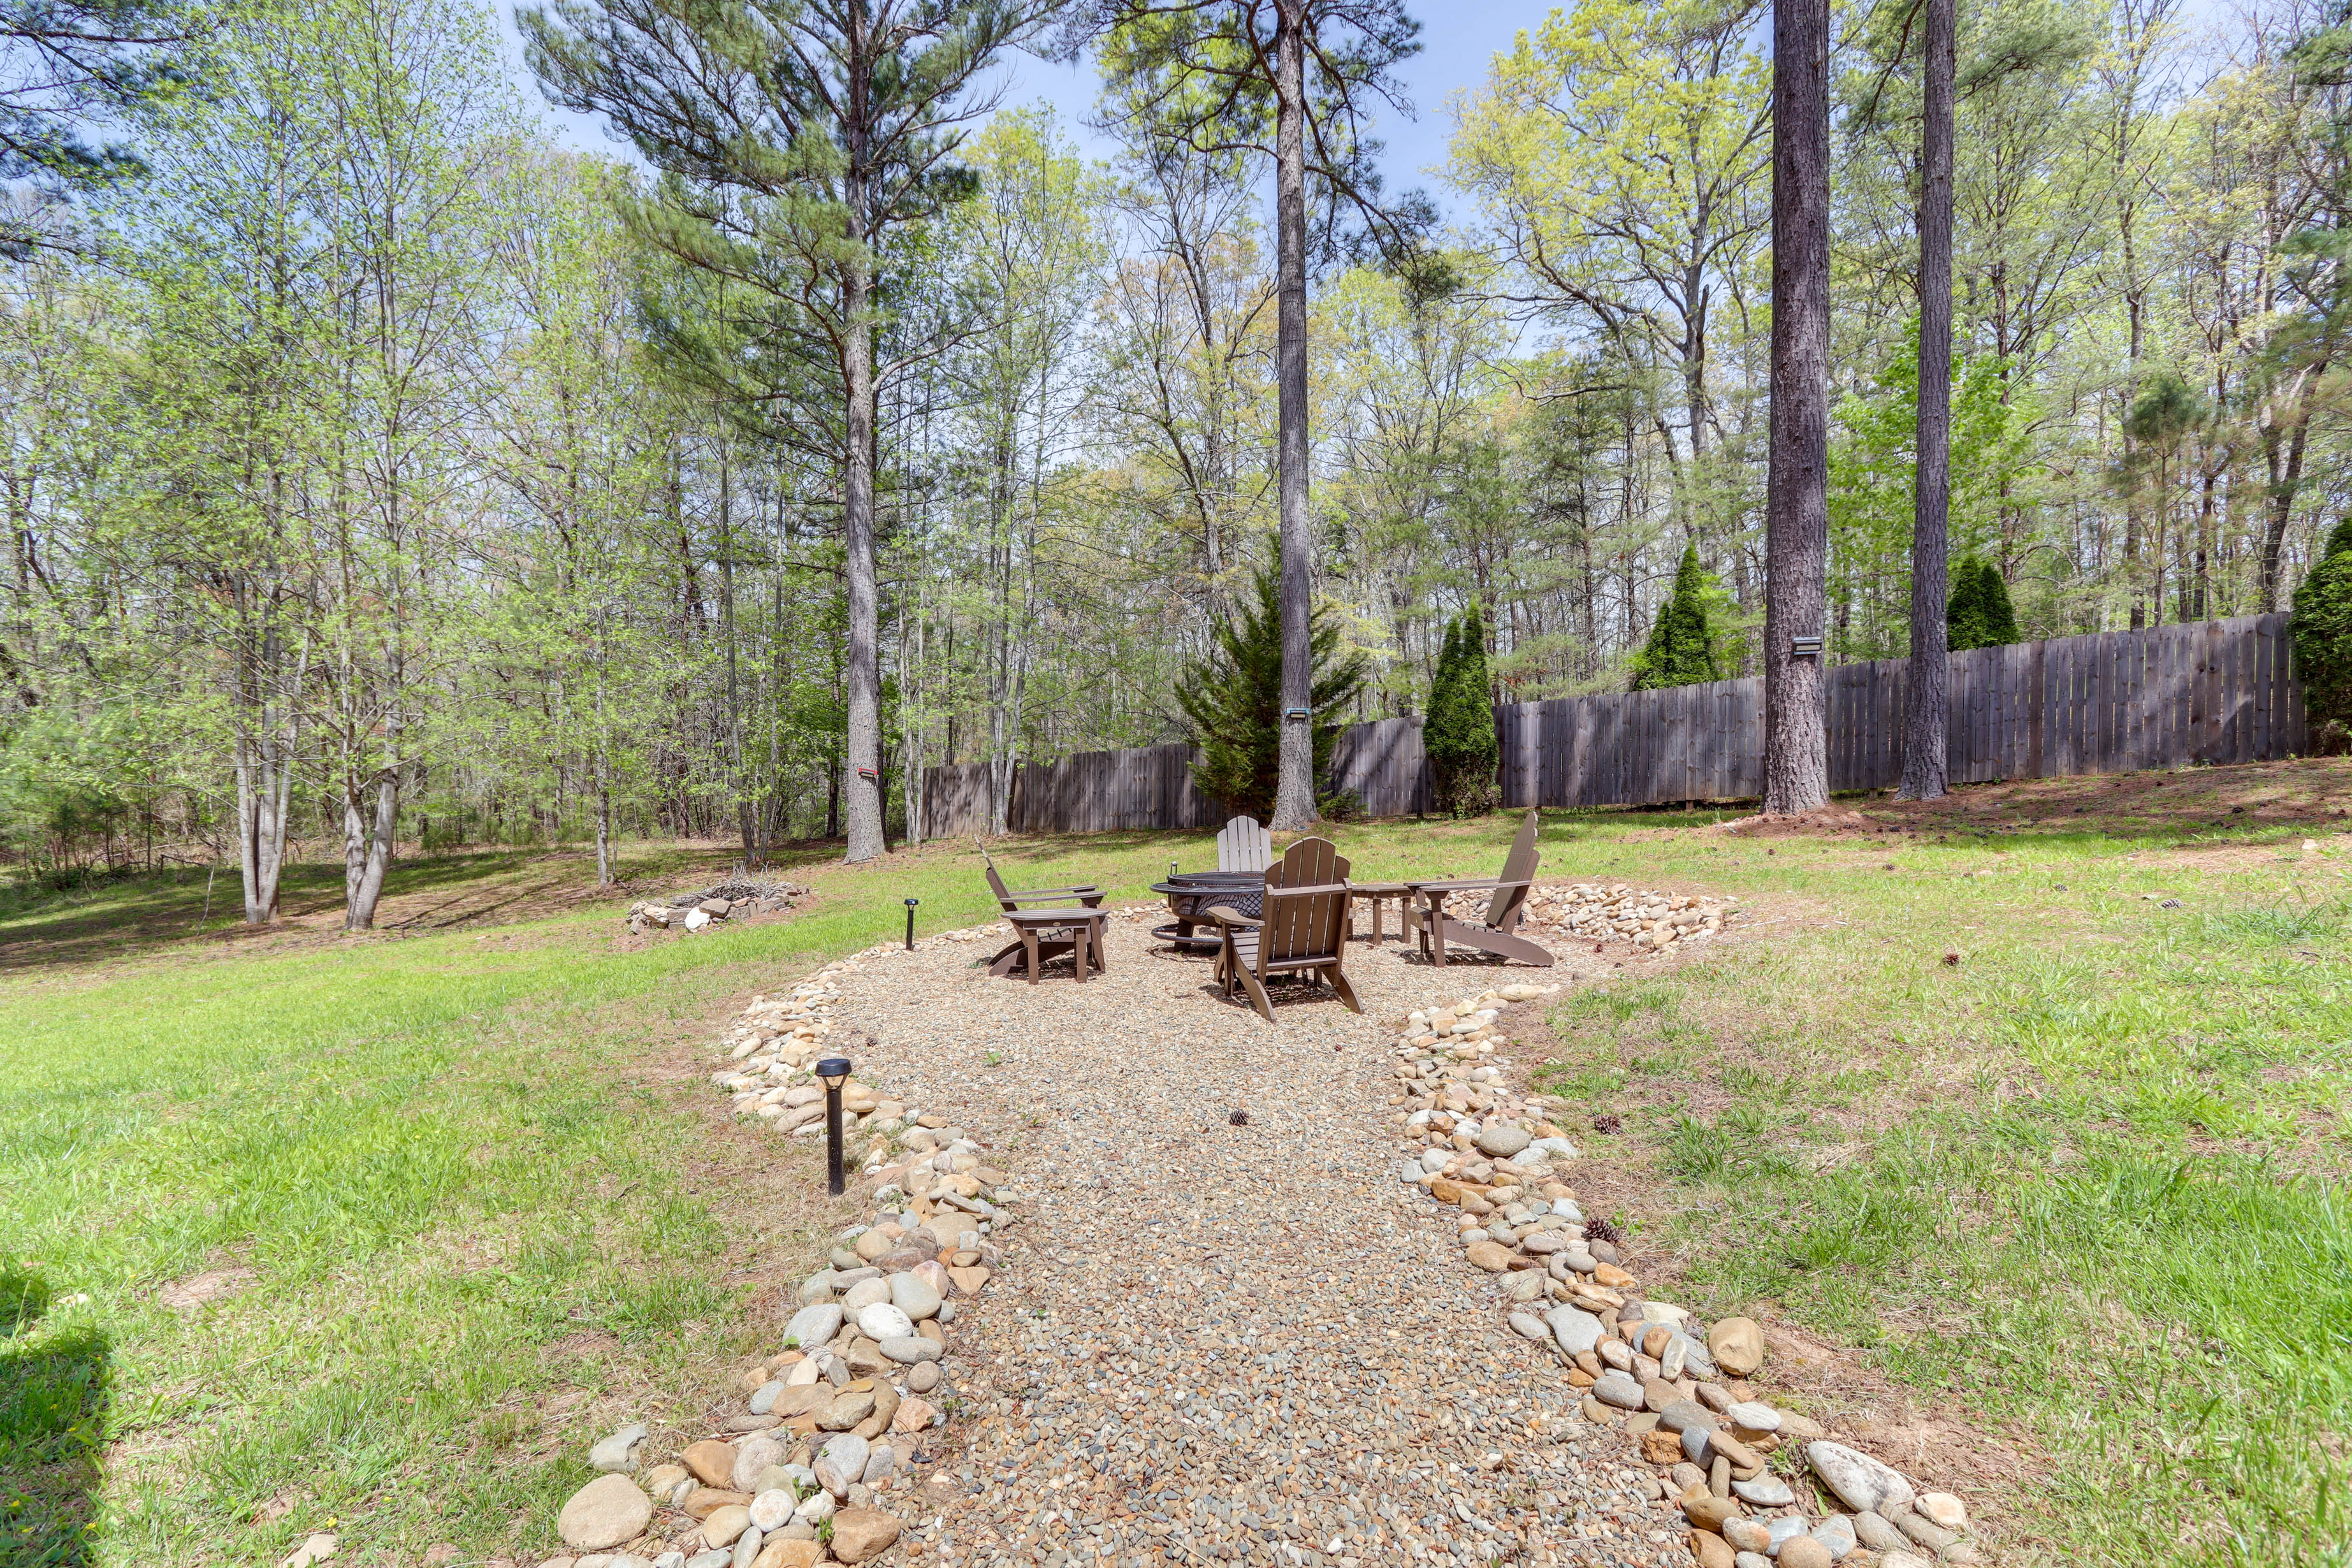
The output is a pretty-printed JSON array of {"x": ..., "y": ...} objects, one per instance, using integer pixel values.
[
  {"x": 1224, "y": 915},
  {"x": 1049, "y": 897},
  {"x": 1467, "y": 884}
]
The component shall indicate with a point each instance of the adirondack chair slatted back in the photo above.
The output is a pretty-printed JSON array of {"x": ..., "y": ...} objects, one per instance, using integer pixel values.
[
  {"x": 995, "y": 883},
  {"x": 1503, "y": 909},
  {"x": 1315, "y": 926},
  {"x": 1243, "y": 845}
]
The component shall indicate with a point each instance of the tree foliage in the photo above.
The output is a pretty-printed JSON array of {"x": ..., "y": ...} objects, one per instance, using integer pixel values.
[
  {"x": 1232, "y": 700},
  {"x": 1681, "y": 649},
  {"x": 1458, "y": 735},
  {"x": 2321, "y": 629},
  {"x": 381, "y": 472},
  {"x": 67, "y": 66},
  {"x": 1979, "y": 614}
]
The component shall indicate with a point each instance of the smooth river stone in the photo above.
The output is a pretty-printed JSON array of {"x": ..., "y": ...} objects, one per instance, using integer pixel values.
[
  {"x": 1577, "y": 1332},
  {"x": 605, "y": 1513},
  {"x": 1619, "y": 1389},
  {"x": 813, "y": 1325},
  {"x": 1861, "y": 1482},
  {"x": 842, "y": 1462},
  {"x": 916, "y": 1296},
  {"x": 880, "y": 1321}
]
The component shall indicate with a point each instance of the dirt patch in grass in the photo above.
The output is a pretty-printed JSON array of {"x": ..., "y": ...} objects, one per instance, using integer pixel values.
[
  {"x": 1833, "y": 819},
  {"x": 187, "y": 1295}
]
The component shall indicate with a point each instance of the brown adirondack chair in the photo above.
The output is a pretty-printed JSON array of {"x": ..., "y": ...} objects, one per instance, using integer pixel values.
[
  {"x": 1301, "y": 927},
  {"x": 1050, "y": 944},
  {"x": 1436, "y": 928}
]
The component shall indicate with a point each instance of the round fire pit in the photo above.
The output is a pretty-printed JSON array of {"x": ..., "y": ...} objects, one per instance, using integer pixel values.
[{"x": 1191, "y": 892}]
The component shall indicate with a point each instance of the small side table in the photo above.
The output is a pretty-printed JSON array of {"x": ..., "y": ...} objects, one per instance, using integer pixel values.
[
  {"x": 1086, "y": 929},
  {"x": 1373, "y": 893}
]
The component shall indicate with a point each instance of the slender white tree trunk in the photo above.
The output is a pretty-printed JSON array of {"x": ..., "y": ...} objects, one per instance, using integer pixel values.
[
  {"x": 263, "y": 779},
  {"x": 367, "y": 845},
  {"x": 604, "y": 823}
]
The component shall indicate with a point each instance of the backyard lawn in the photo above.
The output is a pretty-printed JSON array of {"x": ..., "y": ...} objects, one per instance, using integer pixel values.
[{"x": 2032, "y": 1104}]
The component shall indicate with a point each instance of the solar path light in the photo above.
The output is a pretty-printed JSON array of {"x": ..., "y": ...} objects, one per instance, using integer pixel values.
[{"x": 834, "y": 1071}]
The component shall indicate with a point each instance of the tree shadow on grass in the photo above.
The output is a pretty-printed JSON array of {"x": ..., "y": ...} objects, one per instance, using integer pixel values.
[{"x": 53, "y": 1394}]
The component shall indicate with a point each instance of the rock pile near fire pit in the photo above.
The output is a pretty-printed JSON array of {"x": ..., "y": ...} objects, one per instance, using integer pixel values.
[{"x": 1616, "y": 912}]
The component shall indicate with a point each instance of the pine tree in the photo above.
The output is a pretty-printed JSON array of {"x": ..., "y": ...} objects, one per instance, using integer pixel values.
[
  {"x": 1458, "y": 737},
  {"x": 1980, "y": 614},
  {"x": 1796, "y": 481},
  {"x": 1964, "y": 612},
  {"x": 1234, "y": 700},
  {"x": 803, "y": 145},
  {"x": 1681, "y": 649},
  {"x": 2321, "y": 629},
  {"x": 1294, "y": 80},
  {"x": 1999, "y": 614}
]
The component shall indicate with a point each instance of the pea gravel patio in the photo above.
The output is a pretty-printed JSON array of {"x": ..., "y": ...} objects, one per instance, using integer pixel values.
[{"x": 1225, "y": 1339}]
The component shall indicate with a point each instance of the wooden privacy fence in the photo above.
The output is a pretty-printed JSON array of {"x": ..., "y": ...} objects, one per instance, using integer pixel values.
[
  {"x": 2209, "y": 691},
  {"x": 1089, "y": 792},
  {"x": 1382, "y": 762}
]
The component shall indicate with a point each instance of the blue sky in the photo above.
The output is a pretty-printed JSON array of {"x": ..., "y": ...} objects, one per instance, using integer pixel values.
[{"x": 1457, "y": 40}]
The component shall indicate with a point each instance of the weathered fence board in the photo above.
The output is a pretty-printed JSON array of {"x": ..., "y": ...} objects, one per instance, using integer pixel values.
[
  {"x": 2211, "y": 691},
  {"x": 1090, "y": 792},
  {"x": 1382, "y": 762}
]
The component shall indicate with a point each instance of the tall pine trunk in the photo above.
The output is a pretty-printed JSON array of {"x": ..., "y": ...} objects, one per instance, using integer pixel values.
[
  {"x": 1796, "y": 506},
  {"x": 737, "y": 780},
  {"x": 1926, "y": 767},
  {"x": 1294, "y": 794},
  {"x": 862, "y": 782}
]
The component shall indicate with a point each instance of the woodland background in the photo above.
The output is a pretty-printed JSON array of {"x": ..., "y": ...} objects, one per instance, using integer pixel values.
[{"x": 346, "y": 462}]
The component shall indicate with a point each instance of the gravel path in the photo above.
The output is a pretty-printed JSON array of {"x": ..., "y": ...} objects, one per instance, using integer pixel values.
[{"x": 1230, "y": 1342}]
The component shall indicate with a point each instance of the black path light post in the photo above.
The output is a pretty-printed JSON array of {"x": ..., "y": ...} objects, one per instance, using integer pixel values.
[
  {"x": 911, "y": 924},
  {"x": 835, "y": 1072}
]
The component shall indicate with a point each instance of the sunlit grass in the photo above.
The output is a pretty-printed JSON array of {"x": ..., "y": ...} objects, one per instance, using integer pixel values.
[
  {"x": 2108, "y": 1140},
  {"x": 464, "y": 1230}
]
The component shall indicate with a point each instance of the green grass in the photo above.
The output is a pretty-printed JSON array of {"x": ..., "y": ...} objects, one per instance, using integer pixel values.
[
  {"x": 2081, "y": 1187},
  {"x": 462, "y": 1230}
]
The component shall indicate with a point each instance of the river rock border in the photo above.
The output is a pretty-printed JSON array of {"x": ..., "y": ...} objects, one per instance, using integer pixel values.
[
  {"x": 833, "y": 1421},
  {"x": 1730, "y": 1461}
]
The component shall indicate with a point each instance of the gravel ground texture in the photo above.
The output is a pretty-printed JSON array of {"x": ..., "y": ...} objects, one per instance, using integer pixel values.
[{"x": 1225, "y": 1330}]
